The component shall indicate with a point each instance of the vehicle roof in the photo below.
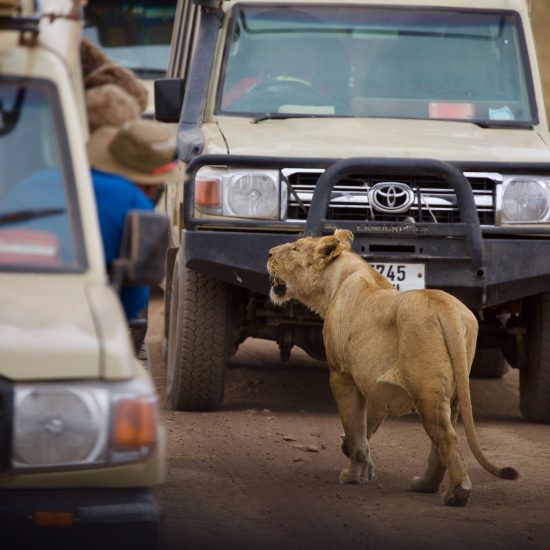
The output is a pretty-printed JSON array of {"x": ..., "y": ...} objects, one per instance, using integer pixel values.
[{"x": 516, "y": 5}]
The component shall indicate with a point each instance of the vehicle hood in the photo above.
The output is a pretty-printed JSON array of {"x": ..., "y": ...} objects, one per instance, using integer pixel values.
[
  {"x": 51, "y": 331},
  {"x": 341, "y": 138}
]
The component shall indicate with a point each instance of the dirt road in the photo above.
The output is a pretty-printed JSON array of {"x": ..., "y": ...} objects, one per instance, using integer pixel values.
[{"x": 262, "y": 472}]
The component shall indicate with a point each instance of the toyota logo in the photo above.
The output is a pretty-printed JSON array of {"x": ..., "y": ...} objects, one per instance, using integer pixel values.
[{"x": 391, "y": 197}]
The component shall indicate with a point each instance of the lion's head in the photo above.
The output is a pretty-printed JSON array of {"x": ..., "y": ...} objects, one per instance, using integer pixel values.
[{"x": 296, "y": 269}]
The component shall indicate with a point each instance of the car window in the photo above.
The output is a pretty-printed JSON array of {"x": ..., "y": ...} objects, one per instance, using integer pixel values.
[
  {"x": 38, "y": 220},
  {"x": 135, "y": 35},
  {"x": 373, "y": 61}
]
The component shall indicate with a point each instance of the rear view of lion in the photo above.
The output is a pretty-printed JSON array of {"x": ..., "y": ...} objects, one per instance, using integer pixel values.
[{"x": 389, "y": 352}]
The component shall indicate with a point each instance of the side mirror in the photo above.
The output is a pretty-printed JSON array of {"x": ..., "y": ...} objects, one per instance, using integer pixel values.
[
  {"x": 168, "y": 99},
  {"x": 142, "y": 253}
]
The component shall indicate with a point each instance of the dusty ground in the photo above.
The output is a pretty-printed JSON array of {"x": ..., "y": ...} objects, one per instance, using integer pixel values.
[{"x": 262, "y": 472}]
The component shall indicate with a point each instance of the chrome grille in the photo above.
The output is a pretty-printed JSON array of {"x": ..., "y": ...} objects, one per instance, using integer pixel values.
[{"x": 434, "y": 200}]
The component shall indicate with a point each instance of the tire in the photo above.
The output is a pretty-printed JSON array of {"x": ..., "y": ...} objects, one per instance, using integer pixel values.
[
  {"x": 489, "y": 363},
  {"x": 197, "y": 340},
  {"x": 171, "y": 255},
  {"x": 535, "y": 375}
]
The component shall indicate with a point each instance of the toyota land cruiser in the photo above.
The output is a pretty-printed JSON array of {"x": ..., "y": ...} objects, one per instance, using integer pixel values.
[
  {"x": 417, "y": 124},
  {"x": 81, "y": 445}
]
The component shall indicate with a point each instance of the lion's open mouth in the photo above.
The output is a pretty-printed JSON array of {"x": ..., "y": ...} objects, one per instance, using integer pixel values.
[{"x": 278, "y": 286}]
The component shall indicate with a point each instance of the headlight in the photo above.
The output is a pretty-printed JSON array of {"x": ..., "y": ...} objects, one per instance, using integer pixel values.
[
  {"x": 83, "y": 423},
  {"x": 58, "y": 425},
  {"x": 240, "y": 193},
  {"x": 525, "y": 200}
]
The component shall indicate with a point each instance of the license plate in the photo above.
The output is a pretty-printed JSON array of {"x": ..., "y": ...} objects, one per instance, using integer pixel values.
[{"x": 403, "y": 276}]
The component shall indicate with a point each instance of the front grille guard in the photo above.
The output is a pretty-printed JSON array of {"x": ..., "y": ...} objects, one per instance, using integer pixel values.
[
  {"x": 468, "y": 227},
  {"x": 467, "y": 230}
]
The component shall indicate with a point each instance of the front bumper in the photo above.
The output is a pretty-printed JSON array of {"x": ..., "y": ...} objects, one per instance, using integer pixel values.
[
  {"x": 79, "y": 518},
  {"x": 515, "y": 267},
  {"x": 482, "y": 266}
]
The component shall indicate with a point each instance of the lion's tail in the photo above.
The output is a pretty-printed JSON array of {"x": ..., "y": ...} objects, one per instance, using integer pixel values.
[{"x": 460, "y": 362}]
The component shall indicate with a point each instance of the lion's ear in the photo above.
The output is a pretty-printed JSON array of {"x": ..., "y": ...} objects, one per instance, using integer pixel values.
[
  {"x": 329, "y": 247},
  {"x": 345, "y": 236}
]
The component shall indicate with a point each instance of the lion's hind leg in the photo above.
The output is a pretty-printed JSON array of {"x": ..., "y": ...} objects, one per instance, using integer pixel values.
[
  {"x": 437, "y": 420},
  {"x": 352, "y": 409},
  {"x": 433, "y": 475}
]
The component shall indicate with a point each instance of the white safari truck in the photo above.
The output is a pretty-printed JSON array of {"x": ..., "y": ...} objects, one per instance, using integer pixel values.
[
  {"x": 80, "y": 441},
  {"x": 417, "y": 124}
]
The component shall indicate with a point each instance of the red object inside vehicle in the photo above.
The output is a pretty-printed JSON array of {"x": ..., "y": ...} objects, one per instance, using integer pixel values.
[
  {"x": 29, "y": 247},
  {"x": 447, "y": 109}
]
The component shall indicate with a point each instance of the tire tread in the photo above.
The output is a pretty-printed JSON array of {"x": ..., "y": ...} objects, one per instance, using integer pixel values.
[{"x": 201, "y": 347}]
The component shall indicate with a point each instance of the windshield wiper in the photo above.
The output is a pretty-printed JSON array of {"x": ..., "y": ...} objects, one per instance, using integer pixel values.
[
  {"x": 500, "y": 124},
  {"x": 30, "y": 214},
  {"x": 283, "y": 116}
]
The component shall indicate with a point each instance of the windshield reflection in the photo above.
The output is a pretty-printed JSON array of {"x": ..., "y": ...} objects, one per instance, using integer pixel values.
[
  {"x": 135, "y": 35},
  {"x": 377, "y": 62},
  {"x": 36, "y": 230}
]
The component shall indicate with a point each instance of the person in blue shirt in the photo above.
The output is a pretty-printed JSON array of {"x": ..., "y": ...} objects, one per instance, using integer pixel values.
[
  {"x": 115, "y": 196},
  {"x": 128, "y": 166}
]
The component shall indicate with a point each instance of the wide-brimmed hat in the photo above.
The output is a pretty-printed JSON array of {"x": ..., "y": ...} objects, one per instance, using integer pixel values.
[{"x": 144, "y": 151}]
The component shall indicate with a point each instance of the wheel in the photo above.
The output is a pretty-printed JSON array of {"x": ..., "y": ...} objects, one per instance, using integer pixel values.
[
  {"x": 489, "y": 363},
  {"x": 197, "y": 340},
  {"x": 535, "y": 375},
  {"x": 171, "y": 255}
]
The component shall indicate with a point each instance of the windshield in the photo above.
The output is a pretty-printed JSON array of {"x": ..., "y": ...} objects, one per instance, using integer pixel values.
[
  {"x": 36, "y": 229},
  {"x": 377, "y": 62},
  {"x": 134, "y": 34}
]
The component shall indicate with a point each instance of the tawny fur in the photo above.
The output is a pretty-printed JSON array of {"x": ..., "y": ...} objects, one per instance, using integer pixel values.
[{"x": 389, "y": 352}]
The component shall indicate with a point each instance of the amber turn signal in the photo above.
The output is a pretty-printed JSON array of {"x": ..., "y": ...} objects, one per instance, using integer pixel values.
[
  {"x": 135, "y": 424},
  {"x": 53, "y": 519},
  {"x": 207, "y": 193}
]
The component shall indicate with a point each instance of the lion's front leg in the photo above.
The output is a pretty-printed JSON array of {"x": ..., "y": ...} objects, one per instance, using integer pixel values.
[
  {"x": 367, "y": 467},
  {"x": 359, "y": 472},
  {"x": 352, "y": 408},
  {"x": 375, "y": 417}
]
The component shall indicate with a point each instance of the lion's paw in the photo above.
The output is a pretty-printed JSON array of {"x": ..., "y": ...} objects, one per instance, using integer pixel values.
[
  {"x": 423, "y": 485},
  {"x": 459, "y": 496},
  {"x": 367, "y": 472},
  {"x": 365, "y": 475},
  {"x": 347, "y": 478}
]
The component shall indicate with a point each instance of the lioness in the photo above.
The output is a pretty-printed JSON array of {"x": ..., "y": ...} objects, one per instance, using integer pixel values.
[{"x": 389, "y": 352}]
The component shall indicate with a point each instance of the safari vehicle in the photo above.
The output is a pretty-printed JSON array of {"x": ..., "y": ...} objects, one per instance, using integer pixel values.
[
  {"x": 417, "y": 124},
  {"x": 81, "y": 446},
  {"x": 133, "y": 34}
]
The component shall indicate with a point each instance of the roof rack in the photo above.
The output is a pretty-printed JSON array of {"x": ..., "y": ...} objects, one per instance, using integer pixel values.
[
  {"x": 18, "y": 23},
  {"x": 17, "y": 15},
  {"x": 26, "y": 15}
]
